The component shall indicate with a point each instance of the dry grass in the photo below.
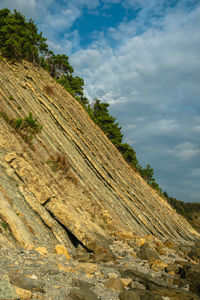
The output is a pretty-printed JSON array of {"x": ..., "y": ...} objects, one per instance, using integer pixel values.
[
  {"x": 59, "y": 162},
  {"x": 49, "y": 89}
]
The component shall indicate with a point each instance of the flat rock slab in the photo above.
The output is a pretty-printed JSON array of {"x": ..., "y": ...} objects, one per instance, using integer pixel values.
[{"x": 26, "y": 282}]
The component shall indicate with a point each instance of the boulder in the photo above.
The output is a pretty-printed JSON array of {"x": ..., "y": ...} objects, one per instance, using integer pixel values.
[
  {"x": 115, "y": 284},
  {"x": 129, "y": 295},
  {"x": 147, "y": 253},
  {"x": 26, "y": 283},
  {"x": 82, "y": 293}
]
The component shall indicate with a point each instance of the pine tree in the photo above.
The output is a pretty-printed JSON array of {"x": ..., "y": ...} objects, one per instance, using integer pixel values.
[
  {"x": 106, "y": 122},
  {"x": 129, "y": 155},
  {"x": 19, "y": 39}
]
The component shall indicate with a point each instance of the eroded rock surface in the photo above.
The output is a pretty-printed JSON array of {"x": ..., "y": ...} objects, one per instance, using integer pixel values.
[
  {"x": 71, "y": 190},
  {"x": 97, "y": 199}
]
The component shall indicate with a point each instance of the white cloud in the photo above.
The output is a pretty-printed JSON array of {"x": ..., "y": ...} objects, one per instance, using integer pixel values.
[
  {"x": 23, "y": 6},
  {"x": 157, "y": 67},
  {"x": 55, "y": 18},
  {"x": 186, "y": 151},
  {"x": 194, "y": 173},
  {"x": 151, "y": 82}
]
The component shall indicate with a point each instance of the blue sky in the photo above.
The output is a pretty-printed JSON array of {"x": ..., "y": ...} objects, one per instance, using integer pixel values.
[{"x": 143, "y": 57}]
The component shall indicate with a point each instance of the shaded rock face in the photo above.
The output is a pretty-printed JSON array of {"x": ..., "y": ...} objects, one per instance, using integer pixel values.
[{"x": 70, "y": 185}]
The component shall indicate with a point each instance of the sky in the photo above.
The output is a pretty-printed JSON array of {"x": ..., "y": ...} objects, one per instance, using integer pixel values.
[{"x": 143, "y": 58}]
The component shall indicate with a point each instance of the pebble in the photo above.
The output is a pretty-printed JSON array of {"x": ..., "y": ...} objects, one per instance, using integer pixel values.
[{"x": 41, "y": 274}]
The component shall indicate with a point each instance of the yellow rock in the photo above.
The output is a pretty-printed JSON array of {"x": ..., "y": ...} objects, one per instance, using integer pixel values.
[
  {"x": 127, "y": 234},
  {"x": 23, "y": 294},
  {"x": 126, "y": 281},
  {"x": 60, "y": 249},
  {"x": 140, "y": 241},
  {"x": 160, "y": 250},
  {"x": 158, "y": 265},
  {"x": 169, "y": 244},
  {"x": 41, "y": 250},
  {"x": 113, "y": 275},
  {"x": 194, "y": 262},
  {"x": 149, "y": 237},
  {"x": 65, "y": 269},
  {"x": 32, "y": 276},
  {"x": 133, "y": 254},
  {"x": 29, "y": 246},
  {"x": 10, "y": 156},
  {"x": 89, "y": 275},
  {"x": 99, "y": 274},
  {"x": 171, "y": 273},
  {"x": 88, "y": 268}
]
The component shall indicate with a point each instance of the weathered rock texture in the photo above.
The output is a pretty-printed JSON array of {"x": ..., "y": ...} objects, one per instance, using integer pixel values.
[{"x": 97, "y": 199}]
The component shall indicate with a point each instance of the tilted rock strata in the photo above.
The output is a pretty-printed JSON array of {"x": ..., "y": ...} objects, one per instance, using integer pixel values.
[{"x": 99, "y": 198}]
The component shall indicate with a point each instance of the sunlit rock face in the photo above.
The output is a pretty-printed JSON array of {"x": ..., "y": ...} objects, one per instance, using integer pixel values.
[{"x": 69, "y": 185}]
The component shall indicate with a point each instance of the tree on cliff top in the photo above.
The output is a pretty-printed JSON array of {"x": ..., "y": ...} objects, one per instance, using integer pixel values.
[
  {"x": 19, "y": 39},
  {"x": 106, "y": 122}
]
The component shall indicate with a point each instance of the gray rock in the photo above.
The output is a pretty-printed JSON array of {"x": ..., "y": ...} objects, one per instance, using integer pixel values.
[
  {"x": 107, "y": 270},
  {"x": 57, "y": 294},
  {"x": 7, "y": 291},
  {"x": 115, "y": 284},
  {"x": 82, "y": 293},
  {"x": 129, "y": 295},
  {"x": 26, "y": 283},
  {"x": 147, "y": 253},
  {"x": 137, "y": 286},
  {"x": 44, "y": 270},
  {"x": 81, "y": 283}
]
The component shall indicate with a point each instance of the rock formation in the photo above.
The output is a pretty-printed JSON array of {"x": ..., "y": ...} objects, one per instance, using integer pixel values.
[
  {"x": 74, "y": 217},
  {"x": 93, "y": 197}
]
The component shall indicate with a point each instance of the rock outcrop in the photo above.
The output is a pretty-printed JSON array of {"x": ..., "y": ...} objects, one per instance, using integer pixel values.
[
  {"x": 69, "y": 185},
  {"x": 76, "y": 222}
]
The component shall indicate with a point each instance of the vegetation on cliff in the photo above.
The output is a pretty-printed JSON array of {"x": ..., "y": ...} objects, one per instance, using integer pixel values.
[
  {"x": 19, "y": 39},
  {"x": 191, "y": 211},
  {"x": 27, "y": 127}
]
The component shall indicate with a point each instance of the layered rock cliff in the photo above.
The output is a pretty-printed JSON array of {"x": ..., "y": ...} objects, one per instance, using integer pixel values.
[{"x": 70, "y": 185}]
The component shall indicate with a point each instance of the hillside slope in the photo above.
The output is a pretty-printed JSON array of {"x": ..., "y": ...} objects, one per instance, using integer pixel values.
[{"x": 93, "y": 198}]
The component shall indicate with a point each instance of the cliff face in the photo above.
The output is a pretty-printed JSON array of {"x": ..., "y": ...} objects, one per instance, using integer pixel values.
[{"x": 71, "y": 185}]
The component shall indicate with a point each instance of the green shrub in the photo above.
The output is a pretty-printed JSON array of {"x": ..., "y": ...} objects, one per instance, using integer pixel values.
[
  {"x": 18, "y": 123},
  {"x": 4, "y": 225},
  {"x": 11, "y": 98},
  {"x": 27, "y": 127}
]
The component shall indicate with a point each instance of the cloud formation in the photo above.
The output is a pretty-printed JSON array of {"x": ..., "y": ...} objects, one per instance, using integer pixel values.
[{"x": 151, "y": 81}]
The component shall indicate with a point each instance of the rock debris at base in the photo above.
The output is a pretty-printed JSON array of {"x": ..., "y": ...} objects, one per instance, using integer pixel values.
[{"x": 41, "y": 274}]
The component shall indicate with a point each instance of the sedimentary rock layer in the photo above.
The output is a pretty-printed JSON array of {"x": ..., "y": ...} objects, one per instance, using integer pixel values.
[{"x": 96, "y": 199}]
